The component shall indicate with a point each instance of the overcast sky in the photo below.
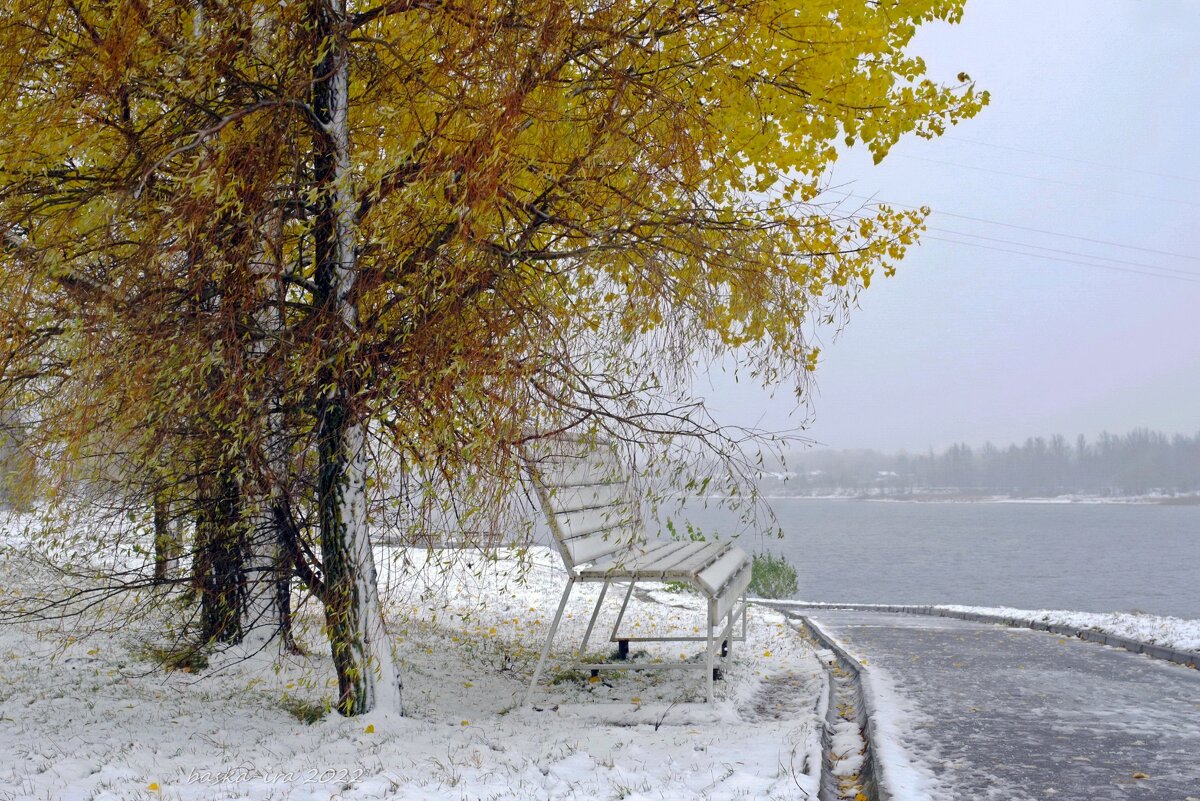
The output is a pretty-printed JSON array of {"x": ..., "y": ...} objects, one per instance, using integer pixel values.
[{"x": 1093, "y": 139}]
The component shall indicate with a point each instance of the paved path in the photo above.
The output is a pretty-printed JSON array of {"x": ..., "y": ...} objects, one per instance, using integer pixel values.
[{"x": 1019, "y": 715}]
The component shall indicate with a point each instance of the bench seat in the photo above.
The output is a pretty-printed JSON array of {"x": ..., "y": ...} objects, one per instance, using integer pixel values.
[{"x": 591, "y": 507}]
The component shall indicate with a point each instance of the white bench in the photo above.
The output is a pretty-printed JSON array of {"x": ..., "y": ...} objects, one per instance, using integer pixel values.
[{"x": 592, "y": 508}]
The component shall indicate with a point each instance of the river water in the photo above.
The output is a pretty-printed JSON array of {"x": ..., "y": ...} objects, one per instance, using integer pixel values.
[{"x": 1079, "y": 556}]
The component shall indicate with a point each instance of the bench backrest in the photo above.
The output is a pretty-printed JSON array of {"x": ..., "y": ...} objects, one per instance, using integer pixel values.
[{"x": 587, "y": 497}]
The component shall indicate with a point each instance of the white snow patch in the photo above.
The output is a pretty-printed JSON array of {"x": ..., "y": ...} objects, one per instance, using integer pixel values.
[
  {"x": 1171, "y": 632},
  {"x": 85, "y": 716},
  {"x": 847, "y": 747},
  {"x": 906, "y": 775}
]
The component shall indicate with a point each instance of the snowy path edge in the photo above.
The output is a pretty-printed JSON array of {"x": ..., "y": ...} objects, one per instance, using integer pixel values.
[
  {"x": 872, "y": 771},
  {"x": 1186, "y": 658}
]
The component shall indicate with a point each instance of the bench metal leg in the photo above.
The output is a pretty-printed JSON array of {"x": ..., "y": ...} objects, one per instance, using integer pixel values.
[
  {"x": 622, "y": 644},
  {"x": 708, "y": 654},
  {"x": 730, "y": 639},
  {"x": 537, "y": 672},
  {"x": 591, "y": 623},
  {"x": 745, "y": 614}
]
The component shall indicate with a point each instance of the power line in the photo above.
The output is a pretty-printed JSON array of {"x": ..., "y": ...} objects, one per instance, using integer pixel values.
[
  {"x": 1069, "y": 158},
  {"x": 1044, "y": 231},
  {"x": 1049, "y": 180},
  {"x": 1154, "y": 271},
  {"x": 1066, "y": 261},
  {"x": 1066, "y": 252}
]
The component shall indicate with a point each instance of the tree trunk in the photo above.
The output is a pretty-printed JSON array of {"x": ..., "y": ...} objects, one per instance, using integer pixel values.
[
  {"x": 285, "y": 569},
  {"x": 362, "y": 652},
  {"x": 164, "y": 542},
  {"x": 219, "y": 569},
  {"x": 361, "y": 649},
  {"x": 267, "y": 612}
]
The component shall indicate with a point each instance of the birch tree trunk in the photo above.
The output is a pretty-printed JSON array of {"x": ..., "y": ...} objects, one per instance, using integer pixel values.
[
  {"x": 362, "y": 652},
  {"x": 266, "y": 613}
]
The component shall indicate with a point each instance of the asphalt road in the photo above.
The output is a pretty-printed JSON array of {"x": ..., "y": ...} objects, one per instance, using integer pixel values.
[{"x": 1020, "y": 715}]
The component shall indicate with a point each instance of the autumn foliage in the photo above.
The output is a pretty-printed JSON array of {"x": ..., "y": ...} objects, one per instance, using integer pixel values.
[{"x": 250, "y": 248}]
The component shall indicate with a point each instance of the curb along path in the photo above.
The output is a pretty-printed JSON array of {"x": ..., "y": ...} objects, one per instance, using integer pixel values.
[
  {"x": 1187, "y": 658},
  {"x": 1018, "y": 715}
]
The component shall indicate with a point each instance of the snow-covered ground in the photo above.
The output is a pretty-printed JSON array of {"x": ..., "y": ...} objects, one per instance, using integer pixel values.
[
  {"x": 86, "y": 714},
  {"x": 1170, "y": 632}
]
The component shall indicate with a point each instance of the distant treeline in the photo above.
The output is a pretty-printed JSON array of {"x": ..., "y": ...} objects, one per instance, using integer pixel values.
[{"x": 1140, "y": 462}]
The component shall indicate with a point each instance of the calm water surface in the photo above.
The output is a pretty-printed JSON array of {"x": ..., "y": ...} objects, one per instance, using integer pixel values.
[{"x": 1084, "y": 557}]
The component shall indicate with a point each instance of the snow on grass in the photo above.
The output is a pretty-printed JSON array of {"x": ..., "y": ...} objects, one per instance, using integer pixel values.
[
  {"x": 1171, "y": 632},
  {"x": 86, "y": 712}
]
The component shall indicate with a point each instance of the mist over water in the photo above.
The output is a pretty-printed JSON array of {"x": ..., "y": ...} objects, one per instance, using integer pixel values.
[{"x": 1082, "y": 557}]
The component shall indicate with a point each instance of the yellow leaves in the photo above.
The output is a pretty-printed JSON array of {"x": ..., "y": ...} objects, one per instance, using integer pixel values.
[
  {"x": 810, "y": 361},
  {"x": 153, "y": 787},
  {"x": 370, "y": 729},
  {"x": 520, "y": 215},
  {"x": 1140, "y": 775}
]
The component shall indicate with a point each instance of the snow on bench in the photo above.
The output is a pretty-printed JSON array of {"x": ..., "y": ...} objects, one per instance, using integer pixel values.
[{"x": 591, "y": 505}]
